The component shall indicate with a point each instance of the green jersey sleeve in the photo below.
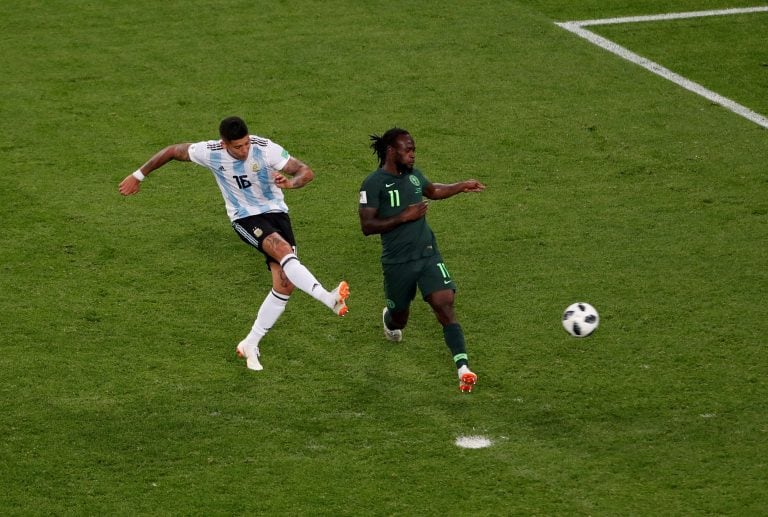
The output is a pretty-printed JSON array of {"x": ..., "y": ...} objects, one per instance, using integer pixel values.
[{"x": 369, "y": 191}]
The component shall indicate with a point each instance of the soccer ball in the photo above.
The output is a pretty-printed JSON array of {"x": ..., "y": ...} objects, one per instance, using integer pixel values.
[{"x": 580, "y": 319}]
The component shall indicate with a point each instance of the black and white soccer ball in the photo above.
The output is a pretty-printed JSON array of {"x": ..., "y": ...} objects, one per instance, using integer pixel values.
[{"x": 580, "y": 319}]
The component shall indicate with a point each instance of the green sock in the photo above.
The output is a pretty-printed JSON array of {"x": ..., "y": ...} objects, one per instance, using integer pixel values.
[
  {"x": 454, "y": 338},
  {"x": 388, "y": 320}
]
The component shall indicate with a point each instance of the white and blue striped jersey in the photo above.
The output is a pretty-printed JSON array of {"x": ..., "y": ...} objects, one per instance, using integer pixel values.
[{"x": 248, "y": 186}]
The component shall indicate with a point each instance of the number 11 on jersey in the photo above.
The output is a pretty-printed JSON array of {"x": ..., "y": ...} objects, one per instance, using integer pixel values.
[{"x": 394, "y": 198}]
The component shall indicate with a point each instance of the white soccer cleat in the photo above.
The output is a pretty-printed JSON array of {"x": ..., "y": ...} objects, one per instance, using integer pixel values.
[
  {"x": 340, "y": 294},
  {"x": 392, "y": 335},
  {"x": 251, "y": 355}
]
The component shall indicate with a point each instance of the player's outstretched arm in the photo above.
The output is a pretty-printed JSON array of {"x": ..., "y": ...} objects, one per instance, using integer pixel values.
[
  {"x": 132, "y": 183},
  {"x": 442, "y": 191}
]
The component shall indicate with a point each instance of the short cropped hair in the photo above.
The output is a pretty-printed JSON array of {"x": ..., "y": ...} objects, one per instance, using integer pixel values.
[{"x": 232, "y": 128}]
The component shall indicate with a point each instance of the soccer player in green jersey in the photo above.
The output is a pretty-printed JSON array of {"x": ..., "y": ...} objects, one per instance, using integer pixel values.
[{"x": 392, "y": 205}]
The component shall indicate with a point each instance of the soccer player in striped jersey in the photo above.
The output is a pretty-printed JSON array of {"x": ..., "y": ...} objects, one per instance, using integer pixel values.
[
  {"x": 392, "y": 205},
  {"x": 252, "y": 173}
]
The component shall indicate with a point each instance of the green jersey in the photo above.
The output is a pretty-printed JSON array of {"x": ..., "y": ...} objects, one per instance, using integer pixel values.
[{"x": 390, "y": 194}]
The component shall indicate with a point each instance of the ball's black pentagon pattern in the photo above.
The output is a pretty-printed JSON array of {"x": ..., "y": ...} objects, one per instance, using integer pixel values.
[{"x": 580, "y": 319}]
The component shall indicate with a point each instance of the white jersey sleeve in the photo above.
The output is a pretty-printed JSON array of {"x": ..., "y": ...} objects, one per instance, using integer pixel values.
[{"x": 247, "y": 186}]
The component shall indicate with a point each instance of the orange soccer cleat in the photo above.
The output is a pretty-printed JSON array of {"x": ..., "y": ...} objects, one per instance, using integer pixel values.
[
  {"x": 467, "y": 381},
  {"x": 341, "y": 293}
]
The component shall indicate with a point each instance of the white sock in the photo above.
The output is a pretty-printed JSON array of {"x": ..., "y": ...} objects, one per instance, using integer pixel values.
[
  {"x": 301, "y": 277},
  {"x": 270, "y": 311}
]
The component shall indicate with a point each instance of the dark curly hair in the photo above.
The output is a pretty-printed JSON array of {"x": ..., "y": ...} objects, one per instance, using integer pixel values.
[{"x": 379, "y": 144}]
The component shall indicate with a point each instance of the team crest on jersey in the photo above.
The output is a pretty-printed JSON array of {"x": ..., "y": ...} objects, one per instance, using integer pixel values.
[
  {"x": 414, "y": 180},
  {"x": 257, "y": 166},
  {"x": 258, "y": 232}
]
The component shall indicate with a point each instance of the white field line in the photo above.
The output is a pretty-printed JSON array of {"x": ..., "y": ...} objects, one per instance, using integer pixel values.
[
  {"x": 577, "y": 27},
  {"x": 672, "y": 16}
]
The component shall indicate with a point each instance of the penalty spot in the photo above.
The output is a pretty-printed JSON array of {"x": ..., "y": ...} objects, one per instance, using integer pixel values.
[{"x": 473, "y": 442}]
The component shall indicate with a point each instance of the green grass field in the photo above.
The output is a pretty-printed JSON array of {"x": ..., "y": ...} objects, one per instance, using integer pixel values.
[{"x": 120, "y": 393}]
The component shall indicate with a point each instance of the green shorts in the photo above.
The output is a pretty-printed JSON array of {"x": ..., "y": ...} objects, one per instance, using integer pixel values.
[{"x": 401, "y": 280}]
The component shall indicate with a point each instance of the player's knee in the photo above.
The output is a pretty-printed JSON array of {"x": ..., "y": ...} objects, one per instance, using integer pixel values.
[
  {"x": 277, "y": 247},
  {"x": 284, "y": 288},
  {"x": 444, "y": 312}
]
